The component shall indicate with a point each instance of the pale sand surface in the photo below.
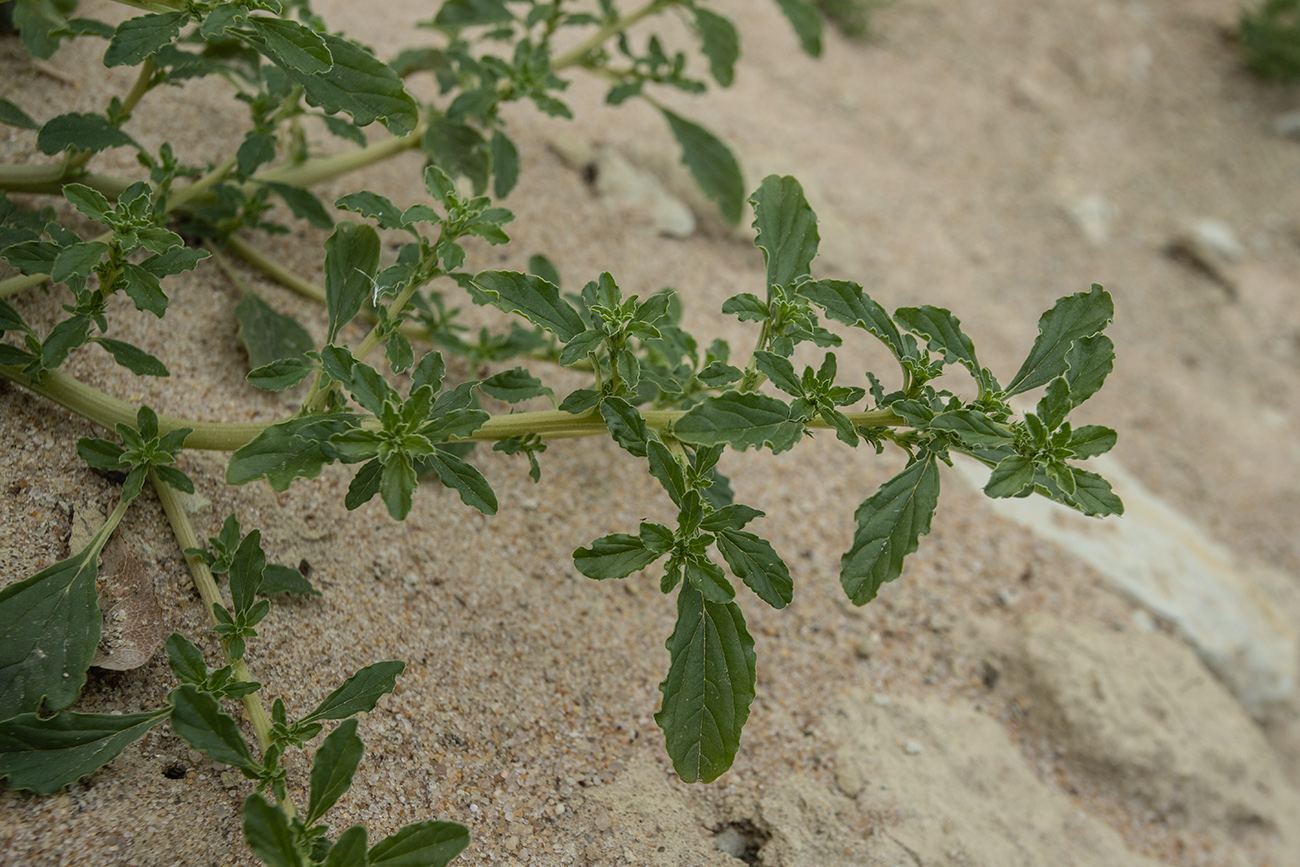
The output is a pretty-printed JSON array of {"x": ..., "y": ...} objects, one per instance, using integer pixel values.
[{"x": 943, "y": 158}]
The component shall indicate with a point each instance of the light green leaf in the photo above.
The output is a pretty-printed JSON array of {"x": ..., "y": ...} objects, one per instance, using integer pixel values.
[
  {"x": 12, "y": 115},
  {"x": 787, "y": 229},
  {"x": 44, "y": 755},
  {"x": 1072, "y": 318},
  {"x": 890, "y": 524},
  {"x": 333, "y": 768},
  {"x": 720, "y": 43},
  {"x": 425, "y": 844},
  {"x": 754, "y": 561},
  {"x": 361, "y": 85},
  {"x": 359, "y": 693},
  {"x": 198, "y": 718},
  {"x": 85, "y": 132},
  {"x": 140, "y": 38},
  {"x": 845, "y": 302},
  {"x": 268, "y": 833},
  {"x": 532, "y": 297},
  {"x": 133, "y": 358},
  {"x": 742, "y": 420},
  {"x": 397, "y": 484},
  {"x": 617, "y": 555},
  {"x": 711, "y": 163},
  {"x": 351, "y": 259},
  {"x": 269, "y": 335},
  {"x": 709, "y": 687}
]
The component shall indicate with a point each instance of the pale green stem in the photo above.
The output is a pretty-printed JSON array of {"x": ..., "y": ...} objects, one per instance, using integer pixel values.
[{"x": 576, "y": 55}]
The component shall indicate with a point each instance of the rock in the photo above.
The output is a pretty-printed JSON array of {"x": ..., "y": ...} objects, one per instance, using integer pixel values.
[
  {"x": 1166, "y": 563},
  {"x": 1139, "y": 714},
  {"x": 623, "y": 186},
  {"x": 1211, "y": 247},
  {"x": 1093, "y": 216},
  {"x": 1288, "y": 124}
]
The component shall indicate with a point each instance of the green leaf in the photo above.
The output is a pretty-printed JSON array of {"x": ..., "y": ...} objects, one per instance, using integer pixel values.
[
  {"x": 79, "y": 260},
  {"x": 85, "y": 132},
  {"x": 286, "y": 451},
  {"x": 474, "y": 490},
  {"x": 1012, "y": 477},
  {"x": 787, "y": 229},
  {"x": 514, "y": 385},
  {"x": 1089, "y": 361},
  {"x": 269, "y": 335},
  {"x": 49, "y": 628},
  {"x": 333, "y": 768},
  {"x": 376, "y": 207},
  {"x": 1093, "y": 495},
  {"x": 133, "y": 358},
  {"x": 709, "y": 687},
  {"x": 458, "y": 149},
  {"x": 742, "y": 420},
  {"x": 397, "y": 485},
  {"x": 291, "y": 45},
  {"x": 351, "y": 259},
  {"x": 1055, "y": 404},
  {"x": 144, "y": 290},
  {"x": 140, "y": 38},
  {"x": 88, "y": 200},
  {"x": 845, "y": 302},
  {"x": 505, "y": 166},
  {"x": 268, "y": 833},
  {"x": 285, "y": 579},
  {"x": 1091, "y": 440},
  {"x": 365, "y": 484},
  {"x": 720, "y": 43},
  {"x": 807, "y": 23},
  {"x": 779, "y": 369},
  {"x": 186, "y": 660},
  {"x": 665, "y": 468},
  {"x": 303, "y": 204},
  {"x": 1072, "y": 318},
  {"x": 256, "y": 150},
  {"x": 625, "y": 424},
  {"x": 349, "y": 850},
  {"x": 359, "y": 693},
  {"x": 44, "y": 755},
  {"x": 12, "y": 115},
  {"x": 424, "y": 844},
  {"x": 454, "y": 14},
  {"x": 973, "y": 427},
  {"x": 246, "y": 572},
  {"x": 942, "y": 332},
  {"x": 890, "y": 523},
  {"x": 617, "y": 555},
  {"x": 198, "y": 718},
  {"x": 454, "y": 424},
  {"x": 713, "y": 165},
  {"x": 176, "y": 260},
  {"x": 754, "y": 561},
  {"x": 280, "y": 374},
  {"x": 361, "y": 85},
  {"x": 535, "y": 299}
]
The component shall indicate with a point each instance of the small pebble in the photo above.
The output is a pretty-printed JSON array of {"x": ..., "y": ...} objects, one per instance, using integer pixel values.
[{"x": 912, "y": 748}]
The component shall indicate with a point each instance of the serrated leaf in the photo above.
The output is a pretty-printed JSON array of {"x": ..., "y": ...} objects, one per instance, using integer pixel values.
[
  {"x": 79, "y": 260},
  {"x": 49, "y": 628},
  {"x": 1089, "y": 361},
  {"x": 285, "y": 451},
  {"x": 44, "y": 755},
  {"x": 291, "y": 45},
  {"x": 942, "y": 332},
  {"x": 474, "y": 490},
  {"x": 140, "y": 38},
  {"x": 807, "y": 23},
  {"x": 280, "y": 374},
  {"x": 617, "y": 555},
  {"x": 133, "y": 358},
  {"x": 269, "y": 335},
  {"x": 1093, "y": 495},
  {"x": 333, "y": 768},
  {"x": 12, "y": 115},
  {"x": 720, "y": 43},
  {"x": 742, "y": 420},
  {"x": 351, "y": 259},
  {"x": 268, "y": 833},
  {"x": 973, "y": 427},
  {"x": 144, "y": 290},
  {"x": 85, "y": 132},
  {"x": 1091, "y": 440},
  {"x": 754, "y": 561},
  {"x": 709, "y": 687},
  {"x": 844, "y": 301},
  {"x": 1072, "y": 318},
  {"x": 359, "y": 693},
  {"x": 175, "y": 260},
  {"x": 514, "y": 385},
  {"x": 625, "y": 424},
  {"x": 376, "y": 207},
  {"x": 198, "y": 718},
  {"x": 889, "y": 526},
  {"x": 779, "y": 369},
  {"x": 88, "y": 200},
  {"x": 424, "y": 844},
  {"x": 361, "y": 85},
  {"x": 1012, "y": 477},
  {"x": 535, "y": 299},
  {"x": 712, "y": 164},
  {"x": 787, "y": 229}
]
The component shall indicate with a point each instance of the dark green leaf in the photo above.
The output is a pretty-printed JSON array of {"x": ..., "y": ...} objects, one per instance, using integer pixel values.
[
  {"x": 454, "y": 14},
  {"x": 458, "y": 149},
  {"x": 85, "y": 132},
  {"x": 246, "y": 572},
  {"x": 845, "y": 302},
  {"x": 186, "y": 660},
  {"x": 100, "y": 454},
  {"x": 176, "y": 260},
  {"x": 514, "y": 385},
  {"x": 665, "y": 468},
  {"x": 359, "y": 693},
  {"x": 615, "y": 556},
  {"x": 49, "y": 628},
  {"x": 140, "y": 38},
  {"x": 303, "y": 204},
  {"x": 807, "y": 23},
  {"x": 201, "y": 723},
  {"x": 286, "y": 451},
  {"x": 942, "y": 332},
  {"x": 505, "y": 165},
  {"x": 754, "y": 561},
  {"x": 543, "y": 267},
  {"x": 11, "y": 319},
  {"x": 1089, "y": 361},
  {"x": 397, "y": 484},
  {"x": 133, "y": 358},
  {"x": 733, "y": 516},
  {"x": 1072, "y": 318},
  {"x": 88, "y": 200},
  {"x": 332, "y": 770},
  {"x": 1091, "y": 440},
  {"x": 374, "y": 206},
  {"x": 532, "y": 297},
  {"x": 424, "y": 844},
  {"x": 268, "y": 833},
  {"x": 1093, "y": 495},
  {"x": 973, "y": 427},
  {"x": 79, "y": 260},
  {"x": 144, "y": 289},
  {"x": 1012, "y": 477},
  {"x": 625, "y": 425},
  {"x": 889, "y": 525},
  {"x": 12, "y": 115},
  {"x": 1055, "y": 404},
  {"x": 44, "y": 755},
  {"x": 351, "y": 259},
  {"x": 708, "y": 577},
  {"x": 174, "y": 478},
  {"x": 280, "y": 374},
  {"x": 579, "y": 347},
  {"x": 712, "y": 164},
  {"x": 709, "y": 687},
  {"x": 474, "y": 490},
  {"x": 285, "y": 579},
  {"x": 746, "y": 307},
  {"x": 361, "y": 85},
  {"x": 741, "y": 420},
  {"x": 720, "y": 43},
  {"x": 787, "y": 229},
  {"x": 779, "y": 369},
  {"x": 32, "y": 257},
  {"x": 580, "y": 401},
  {"x": 256, "y": 150},
  {"x": 349, "y": 850},
  {"x": 291, "y": 45},
  {"x": 399, "y": 353},
  {"x": 365, "y": 484}
]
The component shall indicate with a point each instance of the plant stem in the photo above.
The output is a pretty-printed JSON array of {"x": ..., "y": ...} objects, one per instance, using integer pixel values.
[{"x": 578, "y": 54}]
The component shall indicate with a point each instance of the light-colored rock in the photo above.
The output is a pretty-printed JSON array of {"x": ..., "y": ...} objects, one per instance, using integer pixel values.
[
  {"x": 1093, "y": 216},
  {"x": 1166, "y": 563},
  {"x": 1140, "y": 714},
  {"x": 625, "y": 187},
  {"x": 1288, "y": 124}
]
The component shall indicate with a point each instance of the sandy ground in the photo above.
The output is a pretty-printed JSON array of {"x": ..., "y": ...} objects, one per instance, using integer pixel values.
[{"x": 999, "y": 705}]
